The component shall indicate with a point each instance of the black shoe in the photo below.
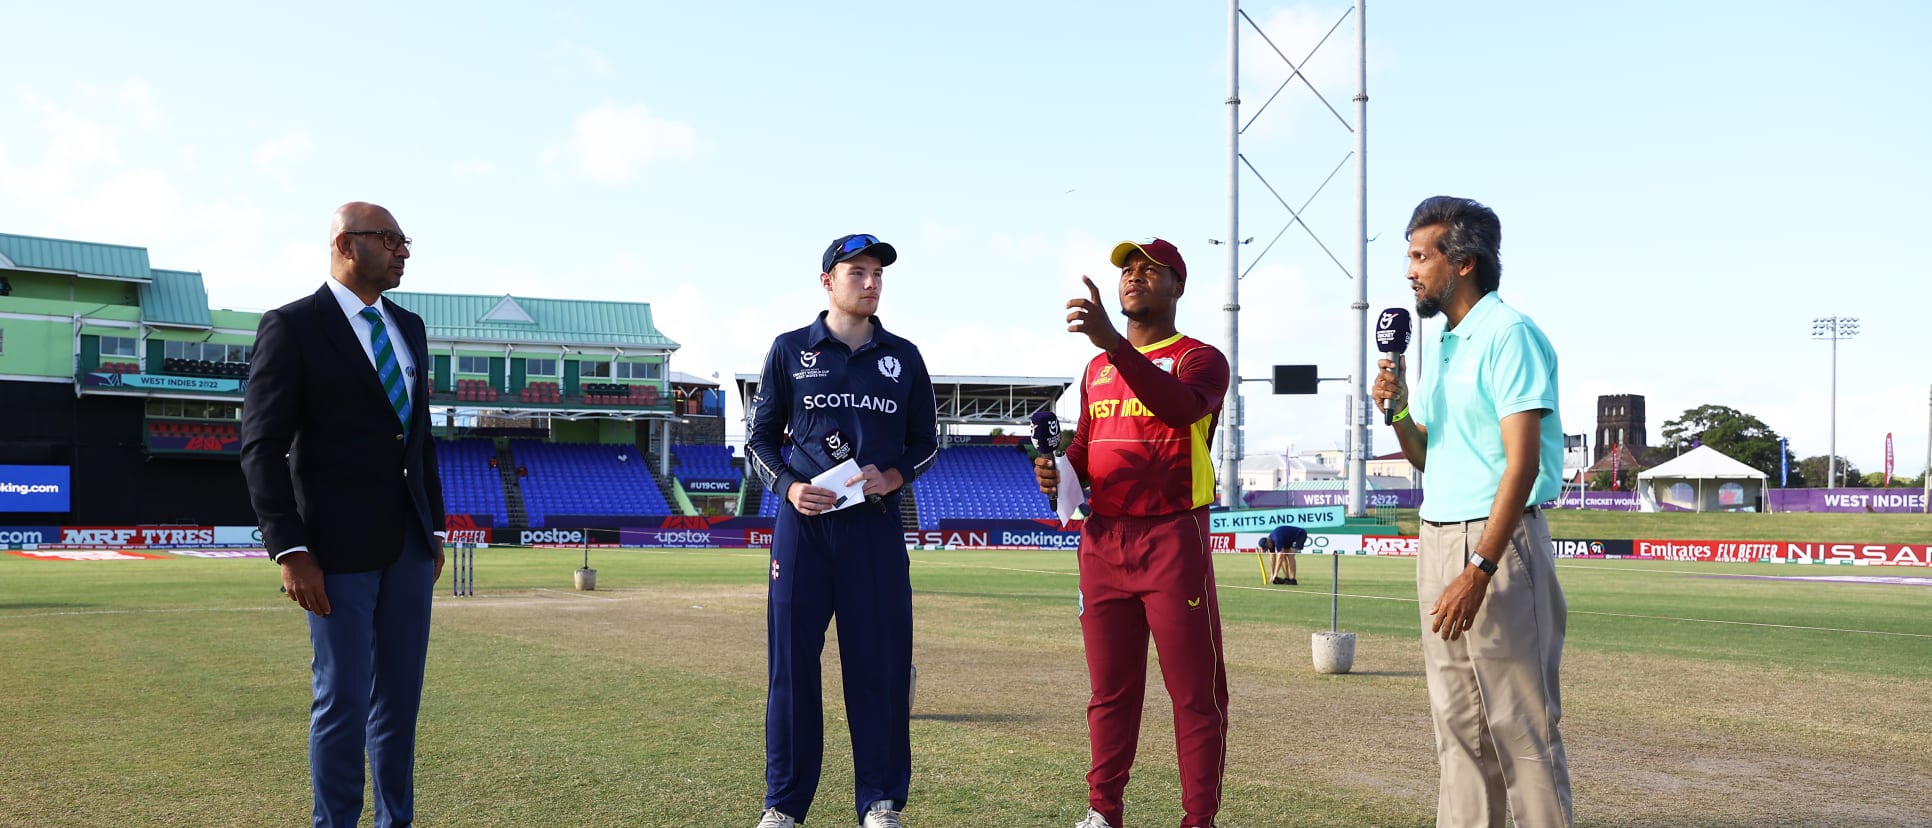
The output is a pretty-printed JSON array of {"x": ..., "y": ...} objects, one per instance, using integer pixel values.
[
  {"x": 1292, "y": 582},
  {"x": 1279, "y": 581}
]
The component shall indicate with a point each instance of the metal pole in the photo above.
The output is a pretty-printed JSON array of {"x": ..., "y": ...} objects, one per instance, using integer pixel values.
[
  {"x": 1831, "y": 474},
  {"x": 1334, "y": 591},
  {"x": 1925, "y": 474},
  {"x": 1231, "y": 407},
  {"x": 1359, "y": 407}
]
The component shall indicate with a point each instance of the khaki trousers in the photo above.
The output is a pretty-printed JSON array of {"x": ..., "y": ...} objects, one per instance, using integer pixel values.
[{"x": 1494, "y": 692}]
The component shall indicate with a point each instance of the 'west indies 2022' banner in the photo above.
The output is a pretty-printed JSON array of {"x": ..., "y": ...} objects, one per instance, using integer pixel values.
[{"x": 1857, "y": 501}]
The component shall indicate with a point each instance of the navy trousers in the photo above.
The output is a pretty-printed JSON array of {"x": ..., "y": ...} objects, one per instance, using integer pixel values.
[
  {"x": 368, "y": 668},
  {"x": 851, "y": 565}
]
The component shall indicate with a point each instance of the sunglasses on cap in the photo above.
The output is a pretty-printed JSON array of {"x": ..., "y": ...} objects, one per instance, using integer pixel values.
[{"x": 858, "y": 243}]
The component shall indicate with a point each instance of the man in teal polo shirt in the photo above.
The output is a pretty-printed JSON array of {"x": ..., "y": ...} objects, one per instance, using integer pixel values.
[{"x": 1485, "y": 432}]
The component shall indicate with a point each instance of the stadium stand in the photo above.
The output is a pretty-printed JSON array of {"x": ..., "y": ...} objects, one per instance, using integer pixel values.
[
  {"x": 979, "y": 483},
  {"x": 539, "y": 392},
  {"x": 603, "y": 393},
  {"x": 967, "y": 483},
  {"x": 171, "y": 428},
  {"x": 474, "y": 390},
  {"x": 692, "y": 461},
  {"x": 204, "y": 368},
  {"x": 470, "y": 485},
  {"x": 585, "y": 479}
]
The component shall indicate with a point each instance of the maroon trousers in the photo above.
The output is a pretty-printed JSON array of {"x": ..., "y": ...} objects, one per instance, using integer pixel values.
[{"x": 1141, "y": 576}]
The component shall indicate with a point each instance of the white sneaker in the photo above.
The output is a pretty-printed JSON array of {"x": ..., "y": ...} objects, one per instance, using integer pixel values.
[
  {"x": 881, "y": 815},
  {"x": 774, "y": 819},
  {"x": 1093, "y": 820}
]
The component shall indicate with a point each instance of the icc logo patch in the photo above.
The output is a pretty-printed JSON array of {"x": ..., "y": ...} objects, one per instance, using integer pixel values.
[
  {"x": 807, "y": 359},
  {"x": 889, "y": 366},
  {"x": 1165, "y": 364}
]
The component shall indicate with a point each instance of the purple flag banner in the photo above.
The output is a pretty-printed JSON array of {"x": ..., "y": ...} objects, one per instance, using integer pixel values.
[{"x": 1846, "y": 500}]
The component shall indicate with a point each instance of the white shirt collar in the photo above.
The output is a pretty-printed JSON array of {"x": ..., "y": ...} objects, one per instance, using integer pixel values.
[{"x": 351, "y": 304}]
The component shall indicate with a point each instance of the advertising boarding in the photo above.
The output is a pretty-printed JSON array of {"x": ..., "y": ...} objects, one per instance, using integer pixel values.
[{"x": 35, "y": 488}]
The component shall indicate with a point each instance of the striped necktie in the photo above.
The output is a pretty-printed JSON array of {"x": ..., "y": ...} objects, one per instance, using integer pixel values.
[{"x": 387, "y": 368}]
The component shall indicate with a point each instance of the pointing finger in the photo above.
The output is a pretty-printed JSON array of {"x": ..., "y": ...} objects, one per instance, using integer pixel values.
[{"x": 1092, "y": 290}]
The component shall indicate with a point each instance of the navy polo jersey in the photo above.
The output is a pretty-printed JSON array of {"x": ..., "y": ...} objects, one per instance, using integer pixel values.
[{"x": 878, "y": 398}]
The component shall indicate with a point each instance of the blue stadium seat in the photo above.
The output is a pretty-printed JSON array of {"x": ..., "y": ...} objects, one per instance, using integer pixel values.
[
  {"x": 470, "y": 486},
  {"x": 694, "y": 461},
  {"x": 979, "y": 483},
  {"x": 586, "y": 479}
]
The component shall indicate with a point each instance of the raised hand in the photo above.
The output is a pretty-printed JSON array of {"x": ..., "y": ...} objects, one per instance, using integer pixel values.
[{"x": 1088, "y": 316}]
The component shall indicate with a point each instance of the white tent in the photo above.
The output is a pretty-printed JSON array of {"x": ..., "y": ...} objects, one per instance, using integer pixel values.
[{"x": 1701, "y": 480}]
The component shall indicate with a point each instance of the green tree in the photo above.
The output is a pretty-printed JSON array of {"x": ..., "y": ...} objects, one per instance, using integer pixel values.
[
  {"x": 1656, "y": 456},
  {"x": 1876, "y": 480},
  {"x": 1735, "y": 433},
  {"x": 1600, "y": 482},
  {"x": 1849, "y": 477}
]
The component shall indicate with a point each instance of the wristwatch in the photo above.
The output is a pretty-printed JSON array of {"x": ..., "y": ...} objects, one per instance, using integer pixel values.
[{"x": 1486, "y": 565}]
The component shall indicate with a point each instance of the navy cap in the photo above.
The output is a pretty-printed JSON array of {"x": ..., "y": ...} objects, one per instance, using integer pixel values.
[{"x": 857, "y": 244}]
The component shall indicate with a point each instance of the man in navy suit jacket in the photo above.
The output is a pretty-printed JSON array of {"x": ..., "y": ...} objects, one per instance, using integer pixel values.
[{"x": 342, "y": 473}]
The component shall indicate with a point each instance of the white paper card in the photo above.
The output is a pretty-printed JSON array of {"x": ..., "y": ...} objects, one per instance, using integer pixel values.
[
  {"x": 1071, "y": 496},
  {"x": 845, "y": 497}
]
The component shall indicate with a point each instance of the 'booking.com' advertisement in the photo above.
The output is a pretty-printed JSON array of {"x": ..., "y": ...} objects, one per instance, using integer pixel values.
[{"x": 34, "y": 489}]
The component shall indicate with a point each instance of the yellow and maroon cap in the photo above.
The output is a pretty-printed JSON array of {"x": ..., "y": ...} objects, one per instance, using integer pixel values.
[{"x": 1158, "y": 251}]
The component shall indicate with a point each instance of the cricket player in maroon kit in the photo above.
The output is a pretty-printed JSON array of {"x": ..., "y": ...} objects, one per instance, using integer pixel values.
[{"x": 1149, "y": 405}]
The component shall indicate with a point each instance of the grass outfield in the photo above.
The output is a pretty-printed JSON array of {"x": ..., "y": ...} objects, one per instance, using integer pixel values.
[
  {"x": 1784, "y": 526},
  {"x": 175, "y": 692}
]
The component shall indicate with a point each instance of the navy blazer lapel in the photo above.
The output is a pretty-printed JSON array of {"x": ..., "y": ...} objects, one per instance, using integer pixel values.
[
  {"x": 416, "y": 336},
  {"x": 335, "y": 329}
]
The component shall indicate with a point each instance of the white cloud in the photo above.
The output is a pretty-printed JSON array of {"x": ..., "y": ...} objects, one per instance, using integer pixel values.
[
  {"x": 140, "y": 98},
  {"x": 75, "y": 183},
  {"x": 137, "y": 206},
  {"x": 611, "y": 142},
  {"x": 75, "y": 141},
  {"x": 277, "y": 153}
]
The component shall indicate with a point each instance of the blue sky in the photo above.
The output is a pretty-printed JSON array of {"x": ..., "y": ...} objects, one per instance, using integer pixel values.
[{"x": 1683, "y": 187}]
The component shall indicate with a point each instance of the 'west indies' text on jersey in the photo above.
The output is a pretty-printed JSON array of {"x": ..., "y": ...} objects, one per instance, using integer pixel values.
[
  {"x": 878, "y": 398},
  {"x": 1147, "y": 417}
]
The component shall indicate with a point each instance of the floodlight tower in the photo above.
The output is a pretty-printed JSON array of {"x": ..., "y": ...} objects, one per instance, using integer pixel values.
[{"x": 1833, "y": 328}]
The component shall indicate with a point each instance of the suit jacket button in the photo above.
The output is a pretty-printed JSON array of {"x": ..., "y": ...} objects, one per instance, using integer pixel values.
[
  {"x": 405, "y": 472},
  {"x": 399, "y": 438}
]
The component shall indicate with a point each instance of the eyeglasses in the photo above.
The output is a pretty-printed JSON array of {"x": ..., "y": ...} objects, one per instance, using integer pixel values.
[
  {"x": 391, "y": 239},
  {"x": 858, "y": 242}
]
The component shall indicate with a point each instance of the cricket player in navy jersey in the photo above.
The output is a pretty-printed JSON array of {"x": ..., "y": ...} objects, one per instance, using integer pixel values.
[
  {"x": 842, "y": 387},
  {"x": 1285, "y": 541}
]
